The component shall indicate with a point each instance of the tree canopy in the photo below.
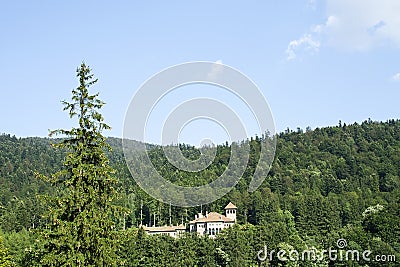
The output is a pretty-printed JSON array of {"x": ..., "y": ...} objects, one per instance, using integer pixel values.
[
  {"x": 328, "y": 183},
  {"x": 80, "y": 225}
]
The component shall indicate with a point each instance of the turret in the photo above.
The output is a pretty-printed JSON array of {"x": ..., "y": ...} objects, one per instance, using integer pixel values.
[{"x": 230, "y": 211}]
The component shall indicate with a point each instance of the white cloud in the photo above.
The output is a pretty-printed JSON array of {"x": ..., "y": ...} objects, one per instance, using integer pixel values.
[
  {"x": 396, "y": 77},
  {"x": 354, "y": 25},
  {"x": 305, "y": 43},
  {"x": 363, "y": 24},
  {"x": 321, "y": 28}
]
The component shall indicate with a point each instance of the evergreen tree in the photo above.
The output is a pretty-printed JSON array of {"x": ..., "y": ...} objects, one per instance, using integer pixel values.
[
  {"x": 5, "y": 260},
  {"x": 80, "y": 225}
]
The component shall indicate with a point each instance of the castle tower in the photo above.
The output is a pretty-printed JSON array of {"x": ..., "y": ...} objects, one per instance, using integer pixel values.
[{"x": 230, "y": 211}]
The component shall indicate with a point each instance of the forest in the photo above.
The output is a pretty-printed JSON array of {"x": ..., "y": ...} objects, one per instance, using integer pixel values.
[
  {"x": 70, "y": 200},
  {"x": 324, "y": 184}
]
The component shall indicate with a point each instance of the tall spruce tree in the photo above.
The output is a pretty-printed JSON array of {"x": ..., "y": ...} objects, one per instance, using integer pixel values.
[{"x": 80, "y": 229}]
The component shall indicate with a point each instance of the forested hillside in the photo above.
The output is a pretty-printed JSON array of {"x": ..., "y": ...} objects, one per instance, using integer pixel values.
[{"x": 325, "y": 184}]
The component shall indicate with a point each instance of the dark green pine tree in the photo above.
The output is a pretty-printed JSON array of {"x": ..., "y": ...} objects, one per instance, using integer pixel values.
[{"x": 81, "y": 229}]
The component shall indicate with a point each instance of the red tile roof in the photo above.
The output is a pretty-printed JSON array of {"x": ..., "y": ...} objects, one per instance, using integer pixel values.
[
  {"x": 213, "y": 217},
  {"x": 230, "y": 206}
]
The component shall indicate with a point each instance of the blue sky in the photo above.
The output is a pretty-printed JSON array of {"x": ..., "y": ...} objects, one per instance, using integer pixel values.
[{"x": 316, "y": 62}]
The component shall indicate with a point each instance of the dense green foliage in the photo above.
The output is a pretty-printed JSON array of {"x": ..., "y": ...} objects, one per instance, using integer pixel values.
[
  {"x": 5, "y": 259},
  {"x": 325, "y": 184},
  {"x": 79, "y": 229}
]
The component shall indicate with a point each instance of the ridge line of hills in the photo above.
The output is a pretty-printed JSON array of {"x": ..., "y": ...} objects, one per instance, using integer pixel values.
[{"x": 325, "y": 179}]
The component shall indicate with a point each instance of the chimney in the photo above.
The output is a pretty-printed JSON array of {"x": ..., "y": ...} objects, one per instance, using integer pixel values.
[
  {"x": 206, "y": 213},
  {"x": 200, "y": 215}
]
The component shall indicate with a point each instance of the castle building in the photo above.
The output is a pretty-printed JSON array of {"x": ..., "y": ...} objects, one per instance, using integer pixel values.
[
  {"x": 213, "y": 223},
  {"x": 173, "y": 231},
  {"x": 209, "y": 224}
]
